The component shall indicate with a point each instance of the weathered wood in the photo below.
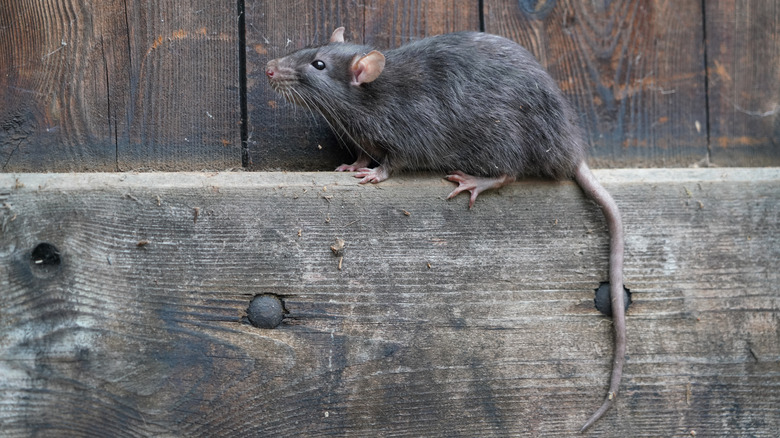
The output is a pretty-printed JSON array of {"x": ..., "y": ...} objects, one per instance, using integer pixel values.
[
  {"x": 54, "y": 113},
  {"x": 156, "y": 84},
  {"x": 633, "y": 69},
  {"x": 390, "y": 23},
  {"x": 184, "y": 108},
  {"x": 282, "y": 136},
  {"x": 743, "y": 63},
  {"x": 441, "y": 322},
  {"x": 118, "y": 85}
]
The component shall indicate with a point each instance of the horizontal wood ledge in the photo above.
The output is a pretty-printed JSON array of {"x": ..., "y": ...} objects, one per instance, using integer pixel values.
[
  {"x": 124, "y": 300},
  {"x": 163, "y": 180}
]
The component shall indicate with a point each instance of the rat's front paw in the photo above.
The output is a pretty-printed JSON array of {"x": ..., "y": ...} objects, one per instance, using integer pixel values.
[{"x": 347, "y": 168}]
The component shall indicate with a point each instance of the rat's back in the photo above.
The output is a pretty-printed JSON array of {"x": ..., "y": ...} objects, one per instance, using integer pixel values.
[{"x": 476, "y": 102}]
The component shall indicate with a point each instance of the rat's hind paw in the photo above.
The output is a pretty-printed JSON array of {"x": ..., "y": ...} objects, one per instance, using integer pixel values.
[{"x": 475, "y": 184}]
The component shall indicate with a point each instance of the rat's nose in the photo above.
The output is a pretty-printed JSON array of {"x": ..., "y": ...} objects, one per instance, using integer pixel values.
[{"x": 271, "y": 69}]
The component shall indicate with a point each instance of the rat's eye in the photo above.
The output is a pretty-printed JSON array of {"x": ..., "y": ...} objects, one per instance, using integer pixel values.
[{"x": 319, "y": 65}]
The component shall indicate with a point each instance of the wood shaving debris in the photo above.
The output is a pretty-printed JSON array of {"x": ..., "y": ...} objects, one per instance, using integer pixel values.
[{"x": 338, "y": 247}]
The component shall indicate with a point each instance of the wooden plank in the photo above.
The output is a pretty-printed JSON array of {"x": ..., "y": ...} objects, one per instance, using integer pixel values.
[
  {"x": 184, "y": 111},
  {"x": 634, "y": 71},
  {"x": 119, "y": 85},
  {"x": 282, "y": 136},
  {"x": 53, "y": 89},
  {"x": 441, "y": 322},
  {"x": 392, "y": 23},
  {"x": 743, "y": 54}
]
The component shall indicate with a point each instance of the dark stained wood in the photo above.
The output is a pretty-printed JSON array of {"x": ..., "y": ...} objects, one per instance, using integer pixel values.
[
  {"x": 53, "y": 90},
  {"x": 441, "y": 322},
  {"x": 743, "y": 61},
  {"x": 118, "y": 85},
  {"x": 392, "y": 23},
  {"x": 184, "y": 108},
  {"x": 633, "y": 69},
  {"x": 282, "y": 136},
  {"x": 155, "y": 84}
]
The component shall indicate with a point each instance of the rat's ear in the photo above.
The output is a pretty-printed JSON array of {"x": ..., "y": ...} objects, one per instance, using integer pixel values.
[
  {"x": 366, "y": 68},
  {"x": 338, "y": 35}
]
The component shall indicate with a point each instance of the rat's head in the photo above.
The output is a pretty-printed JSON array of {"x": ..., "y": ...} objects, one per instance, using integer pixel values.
[{"x": 318, "y": 75}]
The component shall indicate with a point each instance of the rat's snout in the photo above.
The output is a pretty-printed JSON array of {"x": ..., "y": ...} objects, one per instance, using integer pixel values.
[{"x": 272, "y": 69}]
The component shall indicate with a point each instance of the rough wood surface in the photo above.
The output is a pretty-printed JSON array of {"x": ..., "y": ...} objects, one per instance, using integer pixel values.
[
  {"x": 118, "y": 85},
  {"x": 390, "y": 23},
  {"x": 743, "y": 61},
  {"x": 158, "y": 84},
  {"x": 442, "y": 321},
  {"x": 282, "y": 136},
  {"x": 633, "y": 69}
]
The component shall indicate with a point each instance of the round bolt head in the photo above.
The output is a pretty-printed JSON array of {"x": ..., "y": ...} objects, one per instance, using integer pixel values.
[
  {"x": 603, "y": 300},
  {"x": 265, "y": 311}
]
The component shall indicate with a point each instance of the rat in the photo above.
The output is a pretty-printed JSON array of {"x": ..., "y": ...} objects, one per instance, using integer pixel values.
[{"x": 475, "y": 105}]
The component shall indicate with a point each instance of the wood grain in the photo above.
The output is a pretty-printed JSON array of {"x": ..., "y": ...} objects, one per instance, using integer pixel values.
[
  {"x": 55, "y": 111},
  {"x": 392, "y": 23},
  {"x": 184, "y": 111},
  {"x": 282, "y": 136},
  {"x": 442, "y": 322},
  {"x": 118, "y": 85},
  {"x": 743, "y": 63},
  {"x": 633, "y": 69}
]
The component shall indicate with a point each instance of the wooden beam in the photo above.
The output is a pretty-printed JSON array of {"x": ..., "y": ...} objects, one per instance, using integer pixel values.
[{"x": 437, "y": 321}]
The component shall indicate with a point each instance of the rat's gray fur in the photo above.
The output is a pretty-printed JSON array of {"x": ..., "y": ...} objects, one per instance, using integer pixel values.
[{"x": 469, "y": 101}]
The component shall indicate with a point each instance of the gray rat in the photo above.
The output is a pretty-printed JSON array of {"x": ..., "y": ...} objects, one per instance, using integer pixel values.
[{"x": 476, "y": 105}]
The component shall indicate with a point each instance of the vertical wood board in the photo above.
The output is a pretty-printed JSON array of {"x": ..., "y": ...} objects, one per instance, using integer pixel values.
[
  {"x": 184, "y": 104},
  {"x": 634, "y": 71},
  {"x": 118, "y": 85},
  {"x": 743, "y": 62},
  {"x": 54, "y": 106}
]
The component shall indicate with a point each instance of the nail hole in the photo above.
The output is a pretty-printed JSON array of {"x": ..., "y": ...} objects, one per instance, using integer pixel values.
[
  {"x": 45, "y": 260},
  {"x": 265, "y": 311}
]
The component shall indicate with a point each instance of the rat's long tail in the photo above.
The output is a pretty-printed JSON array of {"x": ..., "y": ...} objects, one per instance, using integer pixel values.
[{"x": 599, "y": 194}]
